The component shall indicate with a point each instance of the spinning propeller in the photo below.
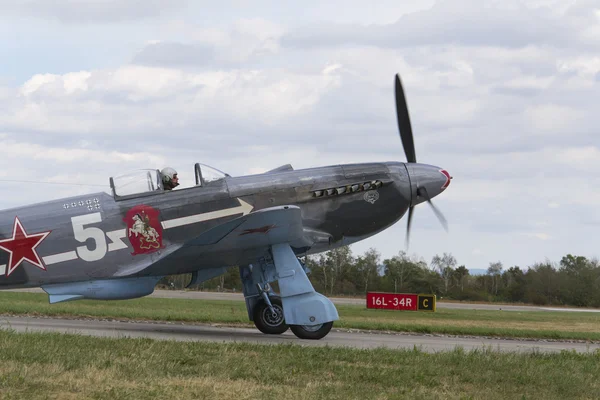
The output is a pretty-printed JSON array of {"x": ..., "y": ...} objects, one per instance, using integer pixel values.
[{"x": 408, "y": 143}]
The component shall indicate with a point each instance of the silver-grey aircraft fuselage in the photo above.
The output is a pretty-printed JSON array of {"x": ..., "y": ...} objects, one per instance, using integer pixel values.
[
  {"x": 118, "y": 245},
  {"x": 88, "y": 238}
]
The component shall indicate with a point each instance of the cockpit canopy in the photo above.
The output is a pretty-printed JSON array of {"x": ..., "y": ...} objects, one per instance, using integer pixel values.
[
  {"x": 136, "y": 182},
  {"x": 143, "y": 182}
]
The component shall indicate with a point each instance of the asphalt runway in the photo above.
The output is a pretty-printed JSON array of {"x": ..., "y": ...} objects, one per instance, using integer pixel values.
[{"x": 337, "y": 337}]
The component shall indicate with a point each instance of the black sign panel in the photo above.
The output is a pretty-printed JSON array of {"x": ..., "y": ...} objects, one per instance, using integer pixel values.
[{"x": 426, "y": 302}]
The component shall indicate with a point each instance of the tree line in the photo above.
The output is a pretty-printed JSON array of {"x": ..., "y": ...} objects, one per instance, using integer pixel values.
[{"x": 573, "y": 281}]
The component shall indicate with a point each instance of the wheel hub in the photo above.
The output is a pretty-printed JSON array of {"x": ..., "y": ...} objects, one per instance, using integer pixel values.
[
  {"x": 273, "y": 319},
  {"x": 311, "y": 328}
]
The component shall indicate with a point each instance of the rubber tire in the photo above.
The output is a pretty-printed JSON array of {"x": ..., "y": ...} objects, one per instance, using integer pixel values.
[
  {"x": 320, "y": 333},
  {"x": 264, "y": 326}
]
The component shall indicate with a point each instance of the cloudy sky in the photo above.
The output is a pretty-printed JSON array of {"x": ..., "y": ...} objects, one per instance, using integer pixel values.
[{"x": 504, "y": 94}]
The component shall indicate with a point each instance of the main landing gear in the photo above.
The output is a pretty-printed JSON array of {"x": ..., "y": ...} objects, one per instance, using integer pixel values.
[{"x": 308, "y": 314}]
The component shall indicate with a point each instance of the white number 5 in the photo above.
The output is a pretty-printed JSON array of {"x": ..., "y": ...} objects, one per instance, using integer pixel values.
[{"x": 82, "y": 234}]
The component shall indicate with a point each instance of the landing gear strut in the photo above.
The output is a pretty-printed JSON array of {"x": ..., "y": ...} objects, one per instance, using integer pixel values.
[{"x": 299, "y": 307}]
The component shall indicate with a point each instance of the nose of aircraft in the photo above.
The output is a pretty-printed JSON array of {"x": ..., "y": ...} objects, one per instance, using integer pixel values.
[{"x": 427, "y": 181}]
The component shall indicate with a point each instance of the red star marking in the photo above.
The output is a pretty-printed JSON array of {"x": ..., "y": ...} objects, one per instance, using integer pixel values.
[
  {"x": 262, "y": 229},
  {"x": 21, "y": 247}
]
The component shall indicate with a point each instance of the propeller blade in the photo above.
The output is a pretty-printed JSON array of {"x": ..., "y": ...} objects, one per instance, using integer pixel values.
[
  {"x": 423, "y": 192},
  {"x": 404, "y": 126},
  {"x": 439, "y": 214},
  {"x": 410, "y": 215}
]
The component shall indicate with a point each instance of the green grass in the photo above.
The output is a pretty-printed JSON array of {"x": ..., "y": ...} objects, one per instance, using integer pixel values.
[
  {"x": 528, "y": 324},
  {"x": 43, "y": 365}
]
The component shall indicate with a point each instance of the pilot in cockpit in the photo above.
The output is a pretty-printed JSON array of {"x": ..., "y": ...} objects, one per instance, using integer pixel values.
[{"x": 169, "y": 178}]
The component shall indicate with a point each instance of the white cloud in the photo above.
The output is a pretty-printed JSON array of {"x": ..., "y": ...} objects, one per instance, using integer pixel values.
[
  {"x": 503, "y": 94},
  {"x": 248, "y": 40},
  {"x": 14, "y": 150},
  {"x": 83, "y": 11},
  {"x": 587, "y": 66},
  {"x": 466, "y": 22},
  {"x": 538, "y": 235},
  {"x": 588, "y": 157},
  {"x": 253, "y": 171},
  {"x": 105, "y": 101},
  {"x": 530, "y": 82},
  {"x": 552, "y": 117}
]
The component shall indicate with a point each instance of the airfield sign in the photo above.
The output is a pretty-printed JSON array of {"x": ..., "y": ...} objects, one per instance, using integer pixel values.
[{"x": 401, "y": 301}]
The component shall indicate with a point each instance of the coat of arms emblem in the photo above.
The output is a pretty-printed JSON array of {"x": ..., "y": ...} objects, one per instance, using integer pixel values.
[{"x": 144, "y": 230}]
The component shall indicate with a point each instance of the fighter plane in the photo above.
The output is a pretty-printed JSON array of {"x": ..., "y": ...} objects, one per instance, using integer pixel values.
[{"x": 118, "y": 246}]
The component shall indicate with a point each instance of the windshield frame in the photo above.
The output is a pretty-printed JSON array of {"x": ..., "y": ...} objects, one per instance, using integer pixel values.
[{"x": 201, "y": 179}]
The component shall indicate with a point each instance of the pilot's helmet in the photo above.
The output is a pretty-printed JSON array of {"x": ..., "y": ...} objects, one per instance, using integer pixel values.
[{"x": 168, "y": 175}]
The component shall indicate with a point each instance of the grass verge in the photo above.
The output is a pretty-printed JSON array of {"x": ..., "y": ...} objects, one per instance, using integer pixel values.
[{"x": 44, "y": 365}]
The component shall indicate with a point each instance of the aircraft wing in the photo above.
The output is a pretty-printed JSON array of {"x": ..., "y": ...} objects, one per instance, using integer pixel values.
[
  {"x": 243, "y": 238},
  {"x": 259, "y": 228}
]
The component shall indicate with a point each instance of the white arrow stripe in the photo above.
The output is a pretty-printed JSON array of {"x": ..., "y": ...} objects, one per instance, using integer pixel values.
[
  {"x": 243, "y": 208},
  {"x": 49, "y": 260},
  {"x": 56, "y": 258}
]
